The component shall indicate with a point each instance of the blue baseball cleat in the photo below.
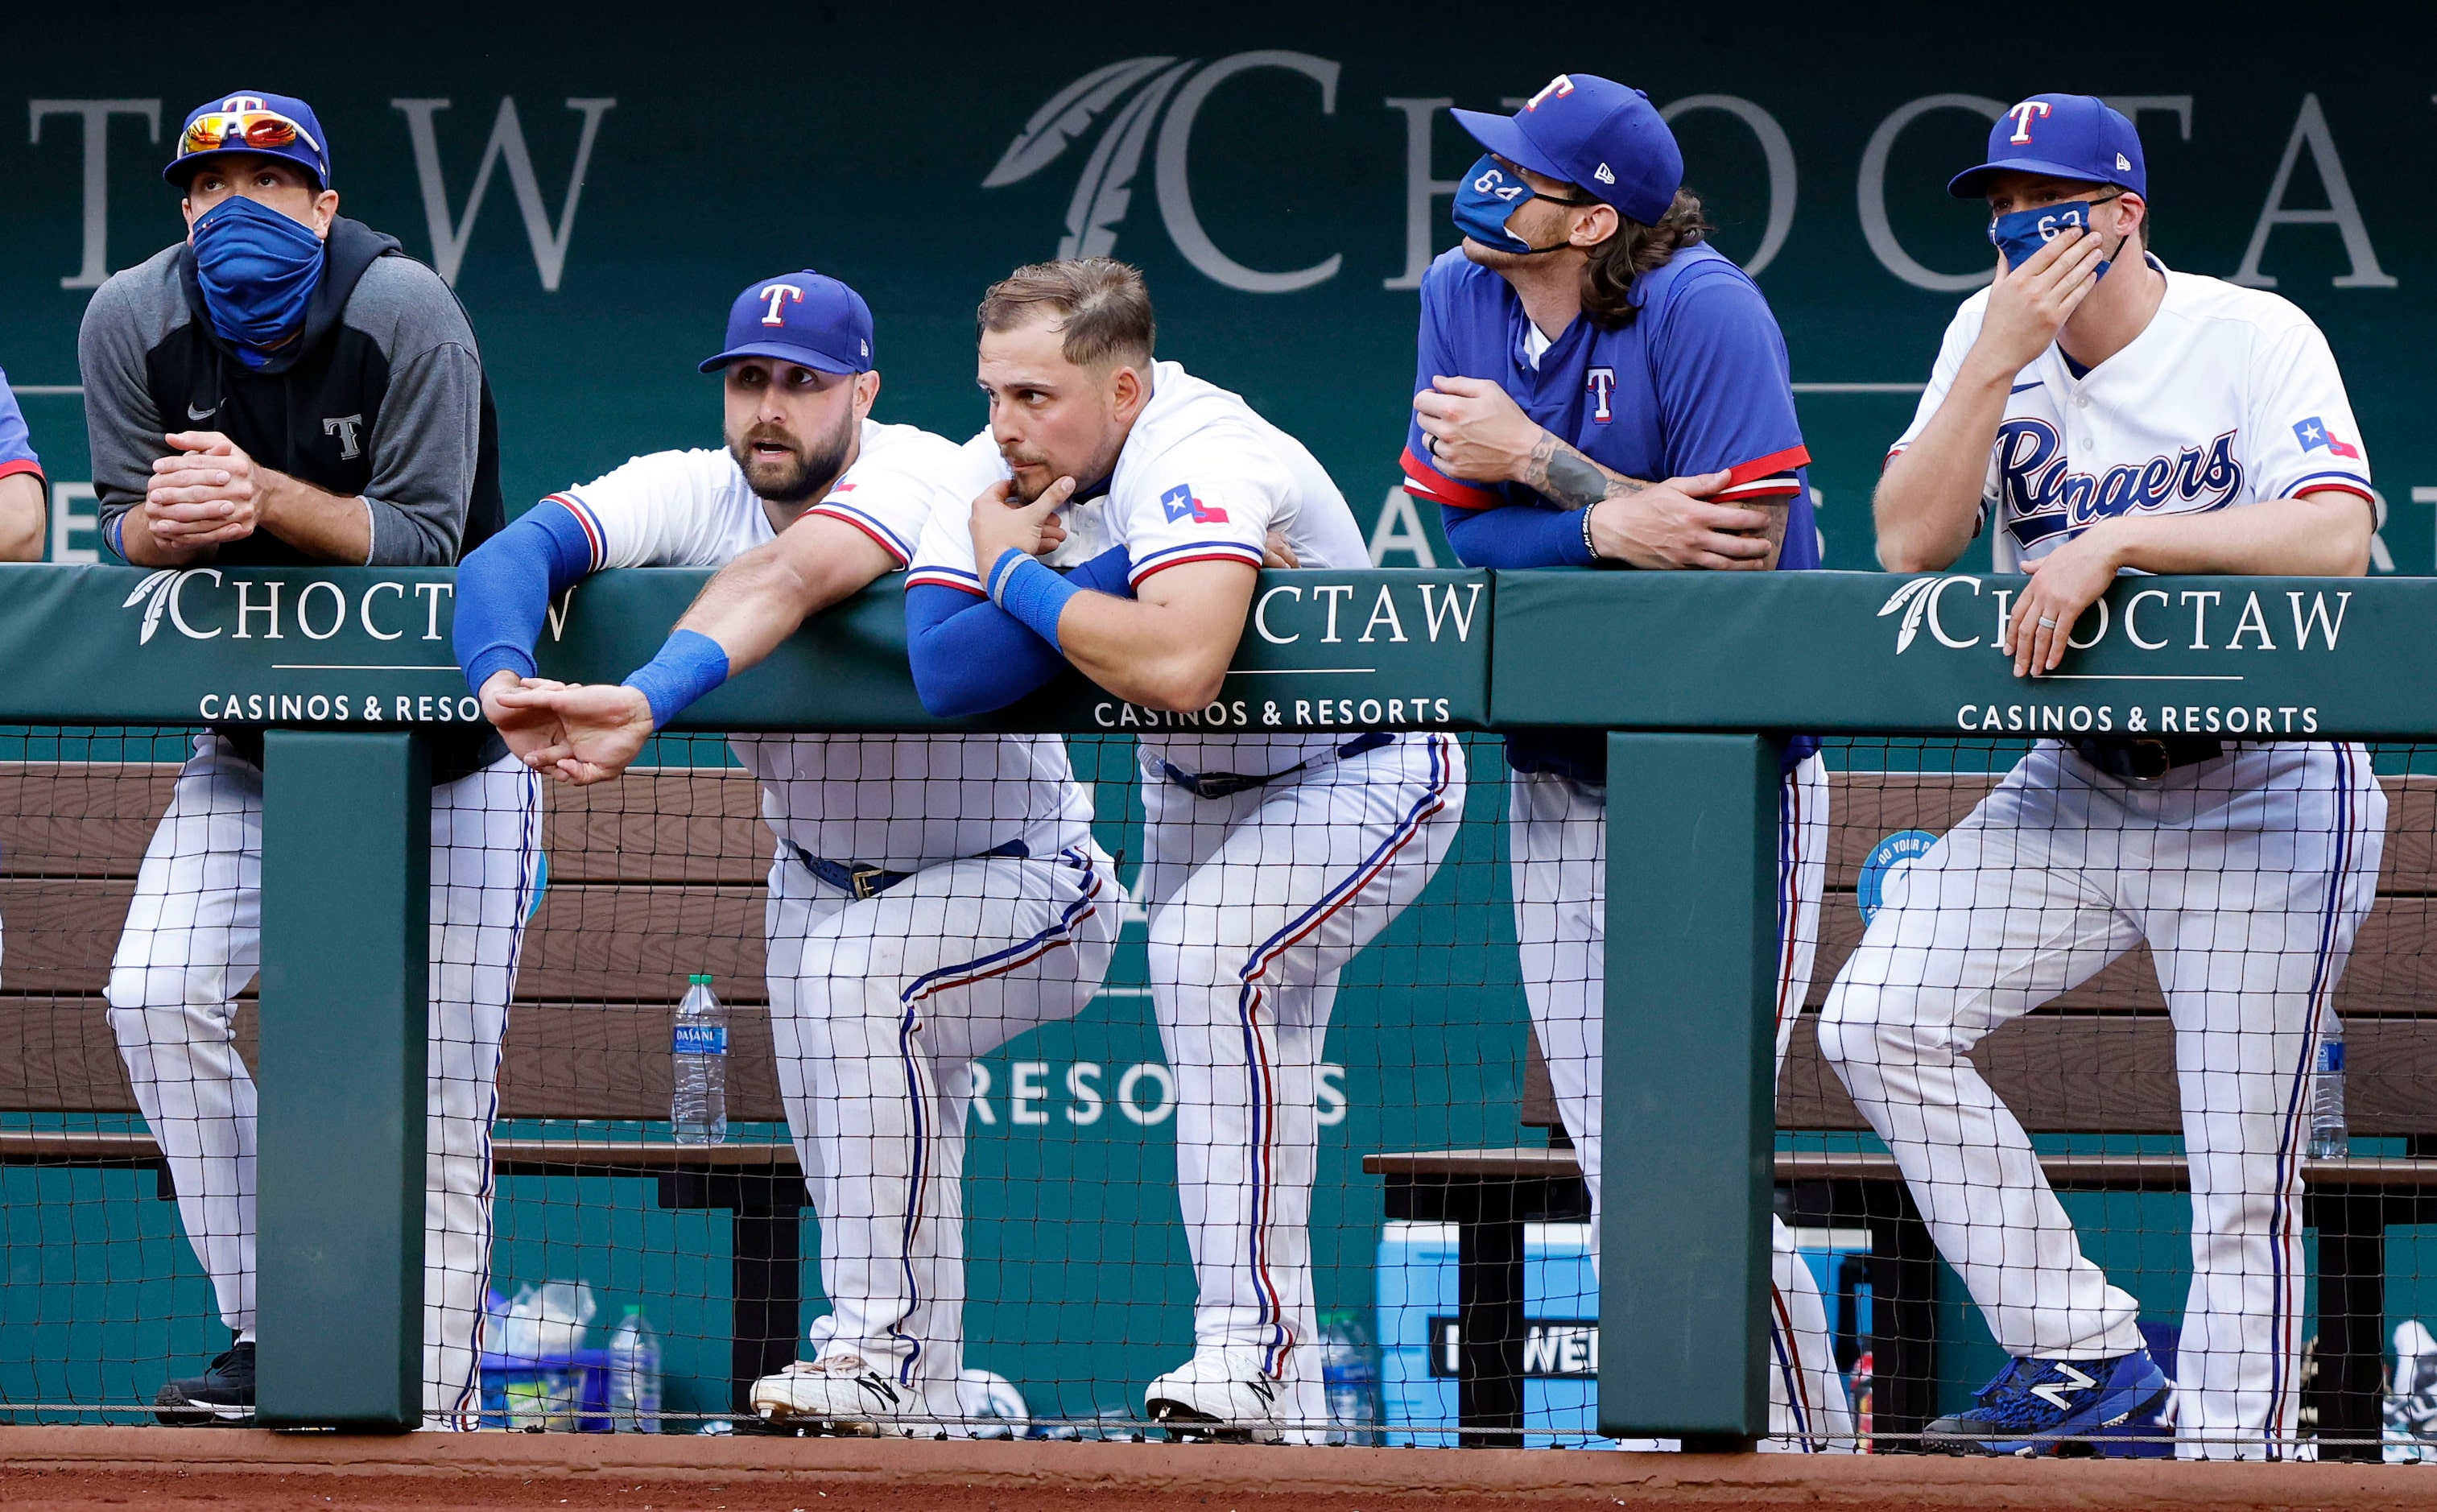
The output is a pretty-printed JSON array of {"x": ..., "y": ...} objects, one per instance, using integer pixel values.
[{"x": 2036, "y": 1404}]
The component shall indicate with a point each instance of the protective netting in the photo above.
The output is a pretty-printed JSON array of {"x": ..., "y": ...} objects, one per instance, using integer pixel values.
[
  {"x": 1026, "y": 1170},
  {"x": 2059, "y": 1092}
]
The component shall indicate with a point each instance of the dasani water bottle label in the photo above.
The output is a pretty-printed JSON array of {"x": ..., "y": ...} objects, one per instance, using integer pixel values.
[{"x": 700, "y": 1039}]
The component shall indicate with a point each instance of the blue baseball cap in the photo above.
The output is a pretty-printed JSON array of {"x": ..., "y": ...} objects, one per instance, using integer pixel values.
[
  {"x": 2069, "y": 136},
  {"x": 805, "y": 318},
  {"x": 1595, "y": 133},
  {"x": 252, "y": 121}
]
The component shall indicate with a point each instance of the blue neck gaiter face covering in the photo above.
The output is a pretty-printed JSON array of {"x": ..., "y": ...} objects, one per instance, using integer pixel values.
[
  {"x": 2025, "y": 232},
  {"x": 258, "y": 271}
]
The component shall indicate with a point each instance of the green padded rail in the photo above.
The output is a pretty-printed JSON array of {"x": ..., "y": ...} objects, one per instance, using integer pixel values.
[
  {"x": 367, "y": 647},
  {"x": 1872, "y": 652}
]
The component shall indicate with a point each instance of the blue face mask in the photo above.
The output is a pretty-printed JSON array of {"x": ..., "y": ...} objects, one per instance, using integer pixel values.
[
  {"x": 258, "y": 271},
  {"x": 2025, "y": 232},
  {"x": 1486, "y": 195}
]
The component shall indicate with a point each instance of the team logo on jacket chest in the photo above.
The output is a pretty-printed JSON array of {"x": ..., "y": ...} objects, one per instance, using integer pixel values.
[
  {"x": 2043, "y": 495},
  {"x": 1602, "y": 384}
]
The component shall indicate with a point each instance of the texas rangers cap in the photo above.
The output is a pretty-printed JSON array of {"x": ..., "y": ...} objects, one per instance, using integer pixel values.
[
  {"x": 2071, "y": 137},
  {"x": 1592, "y": 133},
  {"x": 252, "y": 121},
  {"x": 806, "y": 317}
]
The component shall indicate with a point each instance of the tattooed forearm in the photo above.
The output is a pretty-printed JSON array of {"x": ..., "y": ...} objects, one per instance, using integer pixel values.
[{"x": 1563, "y": 476}]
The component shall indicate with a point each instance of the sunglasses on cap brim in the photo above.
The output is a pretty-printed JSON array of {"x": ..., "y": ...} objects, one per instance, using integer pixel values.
[{"x": 241, "y": 131}]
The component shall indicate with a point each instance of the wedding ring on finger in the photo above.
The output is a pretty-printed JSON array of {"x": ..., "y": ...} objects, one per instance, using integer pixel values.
[{"x": 2046, "y": 623}]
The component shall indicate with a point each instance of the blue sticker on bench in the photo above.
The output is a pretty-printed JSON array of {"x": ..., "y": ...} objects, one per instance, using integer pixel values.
[{"x": 1893, "y": 852}]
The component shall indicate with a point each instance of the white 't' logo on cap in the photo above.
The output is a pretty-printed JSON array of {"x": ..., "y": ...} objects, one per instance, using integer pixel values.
[{"x": 775, "y": 293}]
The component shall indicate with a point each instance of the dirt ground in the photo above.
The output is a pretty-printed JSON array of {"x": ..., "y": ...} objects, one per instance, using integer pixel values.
[{"x": 73, "y": 1470}]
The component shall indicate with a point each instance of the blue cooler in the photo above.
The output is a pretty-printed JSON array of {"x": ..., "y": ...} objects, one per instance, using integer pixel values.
[{"x": 564, "y": 1393}]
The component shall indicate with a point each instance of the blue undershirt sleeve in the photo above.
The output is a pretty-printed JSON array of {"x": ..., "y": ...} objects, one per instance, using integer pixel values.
[
  {"x": 1516, "y": 536},
  {"x": 971, "y": 657},
  {"x": 505, "y": 585},
  {"x": 1105, "y": 573}
]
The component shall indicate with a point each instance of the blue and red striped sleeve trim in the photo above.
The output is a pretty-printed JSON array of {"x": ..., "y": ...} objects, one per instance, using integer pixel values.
[
  {"x": 2346, "y": 483},
  {"x": 1193, "y": 552},
  {"x": 1769, "y": 476},
  {"x": 934, "y": 576},
  {"x": 594, "y": 535},
  {"x": 838, "y": 509},
  {"x": 1425, "y": 482}
]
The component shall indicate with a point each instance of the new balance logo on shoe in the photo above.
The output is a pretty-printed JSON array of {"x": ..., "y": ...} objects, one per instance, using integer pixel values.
[{"x": 2053, "y": 1391}]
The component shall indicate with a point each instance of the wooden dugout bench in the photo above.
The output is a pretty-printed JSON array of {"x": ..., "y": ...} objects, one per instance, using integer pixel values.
[
  {"x": 2097, "y": 1060},
  {"x": 662, "y": 874}
]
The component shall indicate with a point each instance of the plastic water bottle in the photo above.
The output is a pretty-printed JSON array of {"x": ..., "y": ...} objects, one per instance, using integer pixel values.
[
  {"x": 2329, "y": 1139},
  {"x": 699, "y": 1106},
  {"x": 634, "y": 1375},
  {"x": 1350, "y": 1371}
]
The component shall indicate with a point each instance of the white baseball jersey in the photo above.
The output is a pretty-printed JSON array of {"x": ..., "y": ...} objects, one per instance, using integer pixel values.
[
  {"x": 2228, "y": 398},
  {"x": 1202, "y": 478},
  {"x": 887, "y": 801}
]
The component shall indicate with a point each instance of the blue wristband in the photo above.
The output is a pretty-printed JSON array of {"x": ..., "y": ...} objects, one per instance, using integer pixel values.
[
  {"x": 690, "y": 664},
  {"x": 1033, "y": 595}
]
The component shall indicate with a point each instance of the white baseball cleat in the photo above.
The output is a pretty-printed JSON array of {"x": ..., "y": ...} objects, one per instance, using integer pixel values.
[
  {"x": 839, "y": 1394},
  {"x": 1214, "y": 1398}
]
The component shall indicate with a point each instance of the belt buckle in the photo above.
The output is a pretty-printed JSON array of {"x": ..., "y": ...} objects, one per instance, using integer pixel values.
[
  {"x": 2146, "y": 754},
  {"x": 860, "y": 881}
]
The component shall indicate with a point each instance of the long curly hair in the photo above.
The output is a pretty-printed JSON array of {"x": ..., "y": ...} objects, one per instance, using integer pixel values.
[{"x": 1635, "y": 250}]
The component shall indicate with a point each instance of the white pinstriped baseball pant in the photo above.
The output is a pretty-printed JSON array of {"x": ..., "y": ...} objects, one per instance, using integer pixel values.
[
  {"x": 2248, "y": 878},
  {"x": 1560, "y": 848},
  {"x": 193, "y": 942},
  {"x": 1258, "y": 900},
  {"x": 876, "y": 1007}
]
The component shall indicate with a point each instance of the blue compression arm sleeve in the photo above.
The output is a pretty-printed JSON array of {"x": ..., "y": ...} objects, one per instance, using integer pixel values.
[
  {"x": 504, "y": 588},
  {"x": 1033, "y": 593},
  {"x": 1516, "y": 536},
  {"x": 971, "y": 657},
  {"x": 690, "y": 665}
]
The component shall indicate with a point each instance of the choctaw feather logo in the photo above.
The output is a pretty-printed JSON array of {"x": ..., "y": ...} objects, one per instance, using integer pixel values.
[
  {"x": 1913, "y": 598},
  {"x": 161, "y": 589},
  {"x": 1148, "y": 108},
  {"x": 156, "y": 588},
  {"x": 1105, "y": 190}
]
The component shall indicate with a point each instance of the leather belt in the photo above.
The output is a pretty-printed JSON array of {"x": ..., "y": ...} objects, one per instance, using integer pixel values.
[
  {"x": 2144, "y": 759},
  {"x": 1227, "y": 784},
  {"x": 870, "y": 882}
]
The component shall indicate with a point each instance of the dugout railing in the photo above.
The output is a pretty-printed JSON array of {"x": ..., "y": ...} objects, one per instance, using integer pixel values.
[{"x": 1697, "y": 677}]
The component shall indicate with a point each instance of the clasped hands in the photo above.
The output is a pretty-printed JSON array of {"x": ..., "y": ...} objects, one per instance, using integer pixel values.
[{"x": 1476, "y": 434}]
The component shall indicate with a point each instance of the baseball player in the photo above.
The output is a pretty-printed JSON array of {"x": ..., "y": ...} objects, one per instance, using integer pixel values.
[
  {"x": 2099, "y": 413},
  {"x": 294, "y": 333},
  {"x": 931, "y": 897},
  {"x": 1271, "y": 858},
  {"x": 1586, "y": 339}
]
